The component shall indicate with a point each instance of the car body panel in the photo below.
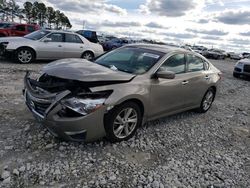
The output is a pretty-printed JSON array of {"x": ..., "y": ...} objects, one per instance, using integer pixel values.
[
  {"x": 157, "y": 97},
  {"x": 53, "y": 50},
  {"x": 242, "y": 67},
  {"x": 85, "y": 71},
  {"x": 13, "y": 30}
]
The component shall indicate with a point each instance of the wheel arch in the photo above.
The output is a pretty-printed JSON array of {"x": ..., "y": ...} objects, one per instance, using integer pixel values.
[
  {"x": 88, "y": 50},
  {"x": 35, "y": 55},
  {"x": 214, "y": 89},
  {"x": 137, "y": 101}
]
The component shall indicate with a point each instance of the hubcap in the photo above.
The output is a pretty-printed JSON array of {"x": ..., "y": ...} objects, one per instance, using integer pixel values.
[
  {"x": 87, "y": 56},
  {"x": 125, "y": 123},
  {"x": 24, "y": 56},
  {"x": 208, "y": 100}
]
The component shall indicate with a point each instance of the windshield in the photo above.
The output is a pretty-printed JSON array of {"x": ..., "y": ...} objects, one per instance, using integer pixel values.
[
  {"x": 5, "y": 25},
  {"x": 131, "y": 60},
  {"x": 37, "y": 35}
]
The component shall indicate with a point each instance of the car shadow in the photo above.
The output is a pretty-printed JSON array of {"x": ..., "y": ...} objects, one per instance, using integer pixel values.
[{"x": 9, "y": 60}]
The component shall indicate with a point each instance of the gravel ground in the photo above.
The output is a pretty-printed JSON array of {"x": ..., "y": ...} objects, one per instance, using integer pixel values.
[{"x": 184, "y": 150}]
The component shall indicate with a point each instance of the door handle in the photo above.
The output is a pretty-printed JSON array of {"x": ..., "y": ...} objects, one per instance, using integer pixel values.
[
  {"x": 81, "y": 47},
  {"x": 59, "y": 46},
  {"x": 185, "y": 82}
]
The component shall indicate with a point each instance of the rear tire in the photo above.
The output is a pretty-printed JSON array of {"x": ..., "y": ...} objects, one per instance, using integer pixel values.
[
  {"x": 207, "y": 101},
  {"x": 122, "y": 122},
  {"x": 88, "y": 56},
  {"x": 25, "y": 55}
]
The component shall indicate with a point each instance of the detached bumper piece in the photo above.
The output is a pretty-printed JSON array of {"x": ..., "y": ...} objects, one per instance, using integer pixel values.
[{"x": 47, "y": 108}]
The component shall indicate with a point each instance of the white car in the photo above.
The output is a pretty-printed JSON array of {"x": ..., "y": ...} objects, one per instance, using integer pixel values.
[
  {"x": 242, "y": 68},
  {"x": 49, "y": 44}
]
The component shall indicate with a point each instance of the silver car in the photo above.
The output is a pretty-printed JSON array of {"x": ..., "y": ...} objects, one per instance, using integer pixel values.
[
  {"x": 81, "y": 100},
  {"x": 242, "y": 68},
  {"x": 47, "y": 44}
]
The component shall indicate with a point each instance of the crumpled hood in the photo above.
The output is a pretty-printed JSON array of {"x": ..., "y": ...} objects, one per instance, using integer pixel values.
[{"x": 83, "y": 70}]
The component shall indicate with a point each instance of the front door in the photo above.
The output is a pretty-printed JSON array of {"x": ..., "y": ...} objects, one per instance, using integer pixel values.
[
  {"x": 52, "y": 48},
  {"x": 169, "y": 95}
]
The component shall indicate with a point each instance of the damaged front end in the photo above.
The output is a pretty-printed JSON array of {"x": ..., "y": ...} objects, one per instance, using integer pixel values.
[{"x": 66, "y": 107}]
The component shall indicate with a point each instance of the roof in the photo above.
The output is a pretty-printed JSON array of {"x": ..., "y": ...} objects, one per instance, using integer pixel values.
[
  {"x": 61, "y": 31},
  {"x": 157, "y": 47}
]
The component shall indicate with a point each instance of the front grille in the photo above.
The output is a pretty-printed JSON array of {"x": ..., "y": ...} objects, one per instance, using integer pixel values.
[
  {"x": 237, "y": 69},
  {"x": 39, "y": 106},
  {"x": 247, "y": 68}
]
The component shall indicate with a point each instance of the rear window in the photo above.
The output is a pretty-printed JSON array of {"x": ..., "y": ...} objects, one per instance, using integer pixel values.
[{"x": 194, "y": 63}]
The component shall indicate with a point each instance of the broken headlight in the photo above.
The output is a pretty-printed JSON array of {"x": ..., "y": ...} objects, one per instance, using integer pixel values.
[{"x": 83, "y": 106}]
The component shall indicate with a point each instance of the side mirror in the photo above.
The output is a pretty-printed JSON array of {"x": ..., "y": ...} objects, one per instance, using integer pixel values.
[
  {"x": 165, "y": 74},
  {"x": 47, "y": 40}
]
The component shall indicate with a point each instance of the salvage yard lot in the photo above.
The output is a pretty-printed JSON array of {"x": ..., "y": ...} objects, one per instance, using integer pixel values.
[{"x": 188, "y": 149}]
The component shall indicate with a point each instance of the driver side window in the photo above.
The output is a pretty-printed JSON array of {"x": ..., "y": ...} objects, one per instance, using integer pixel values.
[{"x": 175, "y": 63}]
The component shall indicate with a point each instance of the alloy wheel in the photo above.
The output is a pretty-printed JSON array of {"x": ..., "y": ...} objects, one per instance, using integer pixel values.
[
  {"x": 208, "y": 100},
  {"x": 125, "y": 123},
  {"x": 24, "y": 56},
  {"x": 87, "y": 56}
]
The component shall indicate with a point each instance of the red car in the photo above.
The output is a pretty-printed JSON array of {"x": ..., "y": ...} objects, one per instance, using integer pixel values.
[{"x": 14, "y": 29}]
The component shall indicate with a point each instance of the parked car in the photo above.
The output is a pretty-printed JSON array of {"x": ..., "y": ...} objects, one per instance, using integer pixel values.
[
  {"x": 80, "y": 100},
  {"x": 48, "y": 44},
  {"x": 114, "y": 43},
  {"x": 235, "y": 56},
  {"x": 214, "y": 54},
  {"x": 13, "y": 29},
  {"x": 187, "y": 48},
  {"x": 199, "y": 49},
  {"x": 90, "y": 35},
  {"x": 245, "y": 55},
  {"x": 242, "y": 68}
]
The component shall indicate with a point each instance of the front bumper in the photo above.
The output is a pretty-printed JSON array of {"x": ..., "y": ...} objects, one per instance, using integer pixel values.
[{"x": 46, "y": 108}]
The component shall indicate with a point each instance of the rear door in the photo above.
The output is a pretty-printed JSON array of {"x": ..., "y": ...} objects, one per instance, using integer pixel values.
[
  {"x": 73, "y": 47},
  {"x": 196, "y": 79},
  {"x": 52, "y": 49}
]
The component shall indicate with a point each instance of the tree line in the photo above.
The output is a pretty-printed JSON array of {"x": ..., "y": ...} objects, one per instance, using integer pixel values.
[{"x": 33, "y": 13}]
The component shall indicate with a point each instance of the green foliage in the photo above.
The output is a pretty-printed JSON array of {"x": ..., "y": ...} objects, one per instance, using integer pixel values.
[{"x": 36, "y": 12}]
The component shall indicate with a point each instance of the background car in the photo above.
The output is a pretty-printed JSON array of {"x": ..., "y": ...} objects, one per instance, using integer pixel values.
[
  {"x": 114, "y": 43},
  {"x": 199, "y": 49},
  {"x": 119, "y": 91},
  {"x": 245, "y": 55},
  {"x": 13, "y": 29},
  {"x": 214, "y": 54},
  {"x": 48, "y": 44},
  {"x": 90, "y": 35},
  {"x": 235, "y": 56},
  {"x": 242, "y": 68}
]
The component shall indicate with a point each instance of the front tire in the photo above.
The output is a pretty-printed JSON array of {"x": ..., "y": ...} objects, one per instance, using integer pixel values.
[
  {"x": 25, "y": 55},
  {"x": 122, "y": 122},
  {"x": 236, "y": 75},
  {"x": 207, "y": 101}
]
